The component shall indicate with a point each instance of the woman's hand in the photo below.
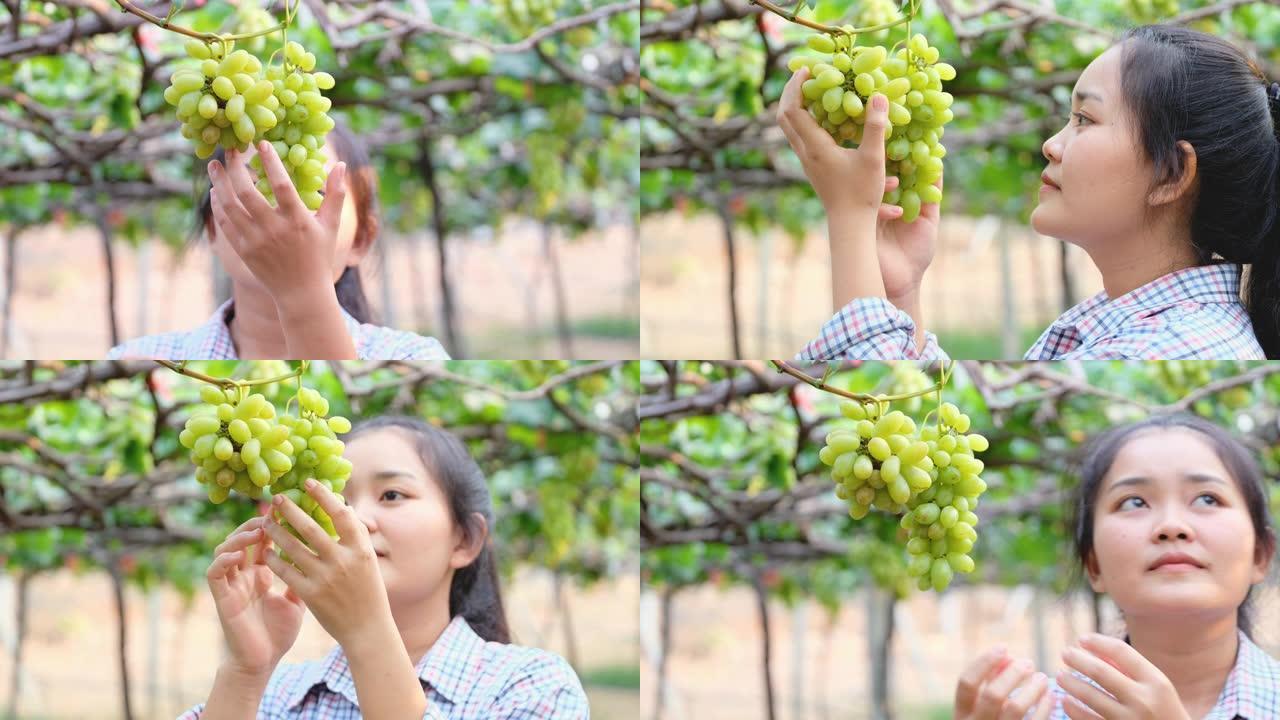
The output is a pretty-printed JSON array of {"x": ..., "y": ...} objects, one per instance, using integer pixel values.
[
  {"x": 997, "y": 687},
  {"x": 846, "y": 180},
  {"x": 1135, "y": 689},
  {"x": 260, "y": 624},
  {"x": 339, "y": 580},
  {"x": 905, "y": 250},
  {"x": 288, "y": 248}
]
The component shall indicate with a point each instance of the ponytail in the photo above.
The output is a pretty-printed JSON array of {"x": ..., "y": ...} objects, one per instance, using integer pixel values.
[
  {"x": 1180, "y": 85},
  {"x": 475, "y": 593}
]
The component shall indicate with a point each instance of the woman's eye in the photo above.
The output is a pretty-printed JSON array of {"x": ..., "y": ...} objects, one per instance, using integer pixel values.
[
  {"x": 1213, "y": 500},
  {"x": 1126, "y": 504},
  {"x": 389, "y": 493}
]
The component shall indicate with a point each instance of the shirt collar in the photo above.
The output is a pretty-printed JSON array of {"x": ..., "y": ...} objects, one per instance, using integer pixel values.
[
  {"x": 1254, "y": 675},
  {"x": 1201, "y": 285},
  {"x": 212, "y": 339},
  {"x": 457, "y": 647}
]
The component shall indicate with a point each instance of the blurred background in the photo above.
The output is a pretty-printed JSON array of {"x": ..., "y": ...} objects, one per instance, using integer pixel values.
[
  {"x": 500, "y": 138},
  {"x": 105, "y": 536},
  {"x": 728, "y": 217},
  {"x": 750, "y": 560}
]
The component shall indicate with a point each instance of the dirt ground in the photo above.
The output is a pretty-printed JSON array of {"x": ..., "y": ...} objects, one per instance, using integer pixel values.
[
  {"x": 820, "y": 666},
  {"x": 72, "y": 670},
  {"x": 684, "y": 284},
  {"x": 501, "y": 286}
]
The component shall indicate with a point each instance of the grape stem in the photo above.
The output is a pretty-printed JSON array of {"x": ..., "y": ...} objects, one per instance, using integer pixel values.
[
  {"x": 790, "y": 16},
  {"x": 821, "y": 384},
  {"x": 167, "y": 24},
  {"x": 182, "y": 369}
]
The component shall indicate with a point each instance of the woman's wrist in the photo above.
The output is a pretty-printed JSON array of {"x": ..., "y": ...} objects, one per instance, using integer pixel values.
[{"x": 237, "y": 692}]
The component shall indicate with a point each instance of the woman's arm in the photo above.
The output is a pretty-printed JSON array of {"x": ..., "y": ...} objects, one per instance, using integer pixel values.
[
  {"x": 386, "y": 683},
  {"x": 313, "y": 326},
  {"x": 235, "y": 695}
]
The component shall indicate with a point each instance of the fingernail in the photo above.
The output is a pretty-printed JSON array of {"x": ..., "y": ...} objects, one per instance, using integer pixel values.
[
  {"x": 879, "y": 102},
  {"x": 310, "y": 483},
  {"x": 278, "y": 500}
]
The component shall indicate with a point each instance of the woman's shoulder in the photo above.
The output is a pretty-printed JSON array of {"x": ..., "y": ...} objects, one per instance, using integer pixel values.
[
  {"x": 162, "y": 346},
  {"x": 376, "y": 342}
]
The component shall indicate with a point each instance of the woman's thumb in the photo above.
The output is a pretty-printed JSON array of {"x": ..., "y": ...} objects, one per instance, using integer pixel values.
[{"x": 877, "y": 123}]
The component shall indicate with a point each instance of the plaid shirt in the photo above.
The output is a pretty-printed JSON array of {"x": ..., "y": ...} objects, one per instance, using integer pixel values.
[
  {"x": 463, "y": 678},
  {"x": 1252, "y": 691},
  {"x": 1194, "y": 313},
  {"x": 212, "y": 341}
]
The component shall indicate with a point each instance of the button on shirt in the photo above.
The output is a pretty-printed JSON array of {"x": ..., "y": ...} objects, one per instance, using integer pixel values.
[
  {"x": 463, "y": 677},
  {"x": 212, "y": 341},
  {"x": 1252, "y": 691},
  {"x": 1194, "y": 313}
]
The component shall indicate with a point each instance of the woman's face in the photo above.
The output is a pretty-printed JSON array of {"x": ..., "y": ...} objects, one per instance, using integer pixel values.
[
  {"x": 1098, "y": 164},
  {"x": 1168, "y": 492},
  {"x": 394, "y": 495},
  {"x": 345, "y": 254}
]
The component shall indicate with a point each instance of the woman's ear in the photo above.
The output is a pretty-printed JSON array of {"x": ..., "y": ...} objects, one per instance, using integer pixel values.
[
  {"x": 367, "y": 227},
  {"x": 1263, "y": 554},
  {"x": 469, "y": 542},
  {"x": 1179, "y": 187},
  {"x": 1095, "y": 575}
]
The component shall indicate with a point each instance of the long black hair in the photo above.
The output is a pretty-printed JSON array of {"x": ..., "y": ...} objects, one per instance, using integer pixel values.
[
  {"x": 363, "y": 192},
  {"x": 1181, "y": 84},
  {"x": 475, "y": 593},
  {"x": 1101, "y": 452}
]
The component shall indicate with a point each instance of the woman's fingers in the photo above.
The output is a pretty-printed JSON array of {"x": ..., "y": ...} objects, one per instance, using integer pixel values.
[
  {"x": 786, "y": 107},
  {"x": 812, "y": 138},
  {"x": 287, "y": 198},
  {"x": 973, "y": 677},
  {"x": 890, "y": 182},
  {"x": 228, "y": 213},
  {"x": 1088, "y": 697},
  {"x": 223, "y": 565},
  {"x": 995, "y": 693},
  {"x": 1027, "y": 695},
  {"x": 890, "y": 212},
  {"x": 335, "y": 192},
  {"x": 242, "y": 183}
]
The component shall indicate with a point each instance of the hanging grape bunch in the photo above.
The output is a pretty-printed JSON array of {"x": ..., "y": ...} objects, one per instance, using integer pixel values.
[
  {"x": 878, "y": 12},
  {"x": 251, "y": 19},
  {"x": 232, "y": 101},
  {"x": 303, "y": 124},
  {"x": 239, "y": 443},
  {"x": 928, "y": 475},
  {"x": 908, "y": 379},
  {"x": 1148, "y": 11},
  {"x": 842, "y": 79},
  {"x": 526, "y": 16}
]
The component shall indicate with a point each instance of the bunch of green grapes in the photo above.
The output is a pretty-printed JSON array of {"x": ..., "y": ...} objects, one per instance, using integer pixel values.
[
  {"x": 526, "y": 16},
  {"x": 908, "y": 379},
  {"x": 877, "y": 12},
  {"x": 844, "y": 77},
  {"x": 928, "y": 475},
  {"x": 238, "y": 442},
  {"x": 250, "y": 18},
  {"x": 225, "y": 101},
  {"x": 1179, "y": 376},
  {"x": 886, "y": 566},
  {"x": 302, "y": 123},
  {"x": 1151, "y": 10},
  {"x": 265, "y": 370},
  {"x": 941, "y": 522}
]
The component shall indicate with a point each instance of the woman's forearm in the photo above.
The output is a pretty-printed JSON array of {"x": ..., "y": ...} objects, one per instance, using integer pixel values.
[
  {"x": 314, "y": 327},
  {"x": 236, "y": 695},
  {"x": 910, "y": 304},
  {"x": 855, "y": 266},
  {"x": 386, "y": 684}
]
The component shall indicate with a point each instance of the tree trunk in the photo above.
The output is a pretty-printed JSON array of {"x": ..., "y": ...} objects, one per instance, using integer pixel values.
[
  {"x": 104, "y": 230},
  {"x": 880, "y": 640},
  {"x": 552, "y": 258},
  {"x": 726, "y": 219},
  {"x": 117, "y": 583},
  {"x": 664, "y": 631},
  {"x": 766, "y": 642},
  {"x": 19, "y": 638},
  {"x": 566, "y": 617},
  {"x": 142, "y": 257},
  {"x": 10, "y": 278},
  {"x": 427, "y": 169},
  {"x": 799, "y": 631}
]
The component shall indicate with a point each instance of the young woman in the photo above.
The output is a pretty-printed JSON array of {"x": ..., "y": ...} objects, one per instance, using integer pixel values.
[
  {"x": 1171, "y": 521},
  {"x": 1167, "y": 174},
  {"x": 409, "y": 592},
  {"x": 295, "y": 280}
]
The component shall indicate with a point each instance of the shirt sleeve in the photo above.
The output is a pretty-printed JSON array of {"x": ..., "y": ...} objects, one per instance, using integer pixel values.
[
  {"x": 546, "y": 687},
  {"x": 870, "y": 329},
  {"x": 192, "y": 714}
]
